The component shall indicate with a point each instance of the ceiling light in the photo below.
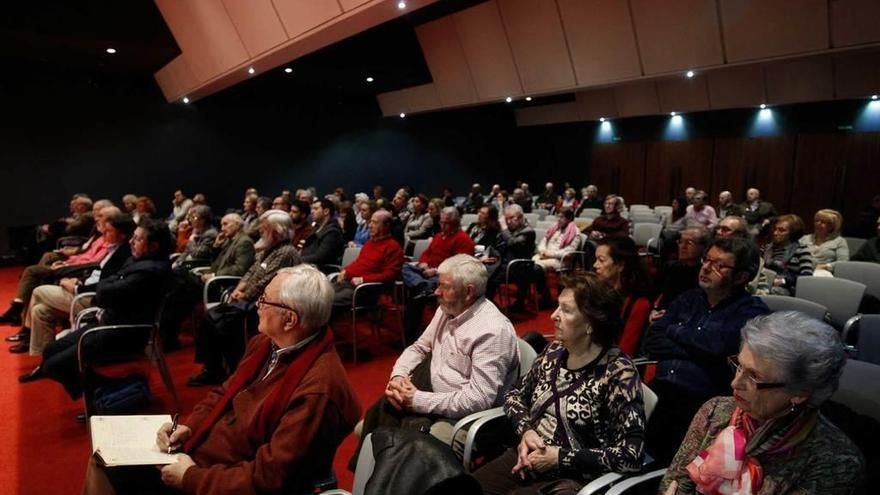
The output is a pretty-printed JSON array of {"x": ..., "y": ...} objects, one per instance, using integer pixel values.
[
  {"x": 508, "y": 99},
  {"x": 763, "y": 106},
  {"x": 601, "y": 119},
  {"x": 689, "y": 73},
  {"x": 370, "y": 79},
  {"x": 401, "y": 5},
  {"x": 873, "y": 97},
  {"x": 186, "y": 99},
  {"x": 288, "y": 70},
  {"x": 251, "y": 71},
  {"x": 673, "y": 114},
  {"x": 111, "y": 51},
  {"x": 402, "y": 115},
  {"x": 528, "y": 98}
]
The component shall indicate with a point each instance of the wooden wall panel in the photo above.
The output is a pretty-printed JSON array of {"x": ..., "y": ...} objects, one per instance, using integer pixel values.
[
  {"x": 447, "y": 62},
  {"x": 257, "y": 24},
  {"x": 860, "y": 154},
  {"x": 485, "y": 45},
  {"x": 681, "y": 94},
  {"x": 674, "y": 165},
  {"x": 596, "y": 103},
  {"x": 636, "y": 99},
  {"x": 758, "y": 29},
  {"x": 806, "y": 79},
  {"x": 737, "y": 87},
  {"x": 815, "y": 173},
  {"x": 856, "y": 75},
  {"x": 764, "y": 163},
  {"x": 619, "y": 168},
  {"x": 538, "y": 43},
  {"x": 601, "y": 40},
  {"x": 557, "y": 113},
  {"x": 300, "y": 16},
  {"x": 854, "y": 22},
  {"x": 677, "y": 35}
]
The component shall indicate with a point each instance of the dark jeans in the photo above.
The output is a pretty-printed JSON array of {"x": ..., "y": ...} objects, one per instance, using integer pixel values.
[
  {"x": 184, "y": 294},
  {"x": 671, "y": 419},
  {"x": 496, "y": 479},
  {"x": 221, "y": 340}
]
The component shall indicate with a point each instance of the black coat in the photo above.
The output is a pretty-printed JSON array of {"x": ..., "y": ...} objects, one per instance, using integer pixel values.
[
  {"x": 324, "y": 246},
  {"x": 134, "y": 293},
  {"x": 113, "y": 265}
]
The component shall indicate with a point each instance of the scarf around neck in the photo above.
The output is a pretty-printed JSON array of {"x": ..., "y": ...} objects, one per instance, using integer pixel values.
[{"x": 570, "y": 233}]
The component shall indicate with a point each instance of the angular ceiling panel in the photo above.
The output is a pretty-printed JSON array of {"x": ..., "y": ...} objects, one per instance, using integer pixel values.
[
  {"x": 538, "y": 44},
  {"x": 176, "y": 78},
  {"x": 636, "y": 99},
  {"x": 854, "y": 22},
  {"x": 485, "y": 45},
  {"x": 393, "y": 102},
  {"x": 601, "y": 40},
  {"x": 807, "y": 79},
  {"x": 681, "y": 94},
  {"x": 446, "y": 60},
  {"x": 257, "y": 24},
  {"x": 677, "y": 35},
  {"x": 556, "y": 113},
  {"x": 351, "y": 4},
  {"x": 421, "y": 98},
  {"x": 300, "y": 16},
  {"x": 597, "y": 103},
  {"x": 734, "y": 87},
  {"x": 754, "y": 30}
]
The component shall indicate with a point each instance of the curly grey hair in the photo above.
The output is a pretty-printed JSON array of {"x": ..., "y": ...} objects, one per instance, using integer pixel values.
[
  {"x": 807, "y": 353},
  {"x": 465, "y": 270}
]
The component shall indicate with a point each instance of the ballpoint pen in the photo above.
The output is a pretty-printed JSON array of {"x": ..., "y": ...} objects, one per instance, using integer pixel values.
[{"x": 173, "y": 429}]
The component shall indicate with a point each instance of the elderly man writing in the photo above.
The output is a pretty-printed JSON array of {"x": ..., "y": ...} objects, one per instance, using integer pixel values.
[
  {"x": 275, "y": 424},
  {"x": 464, "y": 361}
]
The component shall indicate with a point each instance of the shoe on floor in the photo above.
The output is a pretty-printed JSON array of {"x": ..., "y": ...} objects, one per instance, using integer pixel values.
[
  {"x": 12, "y": 316},
  {"x": 20, "y": 347},
  {"x": 205, "y": 377},
  {"x": 19, "y": 337},
  {"x": 35, "y": 374}
]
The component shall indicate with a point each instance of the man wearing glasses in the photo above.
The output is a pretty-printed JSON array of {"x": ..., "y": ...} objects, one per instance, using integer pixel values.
[{"x": 692, "y": 340}]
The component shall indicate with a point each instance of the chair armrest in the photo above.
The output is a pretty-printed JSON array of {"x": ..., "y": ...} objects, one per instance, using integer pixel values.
[
  {"x": 225, "y": 279},
  {"x": 628, "y": 483},
  {"x": 83, "y": 314},
  {"x": 76, "y": 299},
  {"x": 94, "y": 330},
  {"x": 173, "y": 257},
  {"x": 514, "y": 262},
  {"x": 599, "y": 483},
  {"x": 469, "y": 419},
  {"x": 332, "y": 277},
  {"x": 490, "y": 415},
  {"x": 331, "y": 268},
  {"x": 336, "y": 491},
  {"x": 642, "y": 361},
  {"x": 847, "y": 328},
  {"x": 564, "y": 263},
  {"x": 200, "y": 270}
]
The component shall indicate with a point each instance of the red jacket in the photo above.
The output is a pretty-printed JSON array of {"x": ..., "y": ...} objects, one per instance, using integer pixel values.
[
  {"x": 378, "y": 261},
  {"x": 446, "y": 247}
]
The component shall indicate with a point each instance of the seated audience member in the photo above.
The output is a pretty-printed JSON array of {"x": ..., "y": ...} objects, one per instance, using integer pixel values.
[
  {"x": 233, "y": 253},
  {"x": 735, "y": 226},
  {"x": 464, "y": 361},
  {"x": 618, "y": 264},
  {"x": 756, "y": 211},
  {"x": 399, "y": 207},
  {"x": 519, "y": 197},
  {"x": 57, "y": 263},
  {"x": 78, "y": 224},
  {"x": 560, "y": 239},
  {"x": 474, "y": 200},
  {"x": 548, "y": 198},
  {"x": 305, "y": 195},
  {"x": 200, "y": 245},
  {"x": 420, "y": 224},
  {"x": 280, "y": 203},
  {"x": 590, "y": 199},
  {"x": 770, "y": 437},
  {"x": 346, "y": 220},
  {"x": 518, "y": 240},
  {"x": 726, "y": 206},
  {"x": 326, "y": 243},
  {"x": 131, "y": 296},
  {"x": 568, "y": 200},
  {"x": 485, "y": 230},
  {"x": 785, "y": 256},
  {"x": 362, "y": 233},
  {"x": 50, "y": 303},
  {"x": 681, "y": 275},
  {"x": 219, "y": 344},
  {"x": 609, "y": 223},
  {"x": 301, "y": 228},
  {"x": 870, "y": 251},
  {"x": 145, "y": 209},
  {"x": 579, "y": 411},
  {"x": 825, "y": 244},
  {"x": 292, "y": 386},
  {"x": 180, "y": 205},
  {"x": 435, "y": 206},
  {"x": 129, "y": 203},
  {"x": 264, "y": 204},
  {"x": 693, "y": 338},
  {"x": 502, "y": 201},
  {"x": 700, "y": 213},
  {"x": 527, "y": 194},
  {"x": 379, "y": 260},
  {"x": 670, "y": 228},
  {"x": 249, "y": 211},
  {"x": 199, "y": 199},
  {"x": 689, "y": 193}
]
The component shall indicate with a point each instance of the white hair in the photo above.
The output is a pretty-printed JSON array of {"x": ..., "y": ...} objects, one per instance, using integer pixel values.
[
  {"x": 451, "y": 213},
  {"x": 361, "y": 197},
  {"x": 234, "y": 218},
  {"x": 465, "y": 270},
  {"x": 308, "y": 292},
  {"x": 513, "y": 209},
  {"x": 279, "y": 221}
]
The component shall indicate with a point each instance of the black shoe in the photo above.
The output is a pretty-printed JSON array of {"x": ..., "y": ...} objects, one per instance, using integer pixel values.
[
  {"x": 205, "y": 377},
  {"x": 35, "y": 374},
  {"x": 21, "y": 347},
  {"x": 22, "y": 335},
  {"x": 12, "y": 316}
]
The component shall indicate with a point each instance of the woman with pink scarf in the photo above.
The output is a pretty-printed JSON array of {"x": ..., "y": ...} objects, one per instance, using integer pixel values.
[{"x": 770, "y": 438}]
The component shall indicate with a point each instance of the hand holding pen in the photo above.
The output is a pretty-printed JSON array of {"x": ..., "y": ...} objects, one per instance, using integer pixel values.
[{"x": 172, "y": 435}]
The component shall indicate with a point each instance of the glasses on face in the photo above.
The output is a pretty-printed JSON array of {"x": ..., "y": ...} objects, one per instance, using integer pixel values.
[
  {"x": 687, "y": 242},
  {"x": 737, "y": 368},
  {"x": 716, "y": 265},
  {"x": 261, "y": 302}
]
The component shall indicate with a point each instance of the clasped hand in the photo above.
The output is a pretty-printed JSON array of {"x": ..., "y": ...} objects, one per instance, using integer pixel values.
[
  {"x": 400, "y": 392},
  {"x": 534, "y": 455}
]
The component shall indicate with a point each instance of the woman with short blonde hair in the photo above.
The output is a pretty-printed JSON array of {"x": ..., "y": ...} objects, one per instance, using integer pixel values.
[{"x": 825, "y": 244}]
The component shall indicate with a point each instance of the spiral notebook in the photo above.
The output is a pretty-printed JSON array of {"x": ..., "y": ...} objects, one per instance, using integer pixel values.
[{"x": 129, "y": 440}]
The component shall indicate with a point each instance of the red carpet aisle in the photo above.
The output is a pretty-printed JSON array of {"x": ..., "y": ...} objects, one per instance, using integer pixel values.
[{"x": 46, "y": 449}]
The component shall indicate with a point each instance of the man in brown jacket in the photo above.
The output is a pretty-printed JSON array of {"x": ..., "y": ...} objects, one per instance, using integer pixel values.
[{"x": 275, "y": 424}]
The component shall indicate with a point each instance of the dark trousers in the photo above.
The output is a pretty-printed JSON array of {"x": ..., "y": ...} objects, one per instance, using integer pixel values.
[
  {"x": 60, "y": 356},
  {"x": 671, "y": 419},
  {"x": 496, "y": 479},
  {"x": 520, "y": 274},
  {"x": 184, "y": 294},
  {"x": 221, "y": 340}
]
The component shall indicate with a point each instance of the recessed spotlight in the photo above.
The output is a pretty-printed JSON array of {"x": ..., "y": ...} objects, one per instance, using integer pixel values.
[
  {"x": 111, "y": 51},
  {"x": 873, "y": 97},
  {"x": 763, "y": 106},
  {"x": 673, "y": 114},
  {"x": 185, "y": 99},
  {"x": 528, "y": 98},
  {"x": 508, "y": 99},
  {"x": 601, "y": 119},
  {"x": 402, "y": 115},
  {"x": 251, "y": 71},
  {"x": 288, "y": 70},
  {"x": 370, "y": 79},
  {"x": 401, "y": 5},
  {"x": 689, "y": 74}
]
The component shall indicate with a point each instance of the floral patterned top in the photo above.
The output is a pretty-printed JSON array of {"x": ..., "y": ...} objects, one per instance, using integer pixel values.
[
  {"x": 595, "y": 414},
  {"x": 826, "y": 462}
]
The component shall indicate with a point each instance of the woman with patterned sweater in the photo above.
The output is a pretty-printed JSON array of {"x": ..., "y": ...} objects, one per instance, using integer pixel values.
[
  {"x": 579, "y": 410},
  {"x": 785, "y": 256}
]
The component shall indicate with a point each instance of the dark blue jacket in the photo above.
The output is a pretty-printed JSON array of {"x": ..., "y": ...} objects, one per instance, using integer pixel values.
[{"x": 692, "y": 341}]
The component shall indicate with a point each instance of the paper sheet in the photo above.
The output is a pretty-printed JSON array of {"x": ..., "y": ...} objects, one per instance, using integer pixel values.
[{"x": 129, "y": 440}]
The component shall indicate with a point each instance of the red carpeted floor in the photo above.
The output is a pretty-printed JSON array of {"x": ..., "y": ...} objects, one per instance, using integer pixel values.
[{"x": 46, "y": 449}]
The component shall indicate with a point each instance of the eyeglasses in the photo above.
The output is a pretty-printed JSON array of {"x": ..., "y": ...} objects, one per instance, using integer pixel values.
[
  {"x": 737, "y": 368},
  {"x": 715, "y": 265},
  {"x": 263, "y": 302},
  {"x": 687, "y": 242}
]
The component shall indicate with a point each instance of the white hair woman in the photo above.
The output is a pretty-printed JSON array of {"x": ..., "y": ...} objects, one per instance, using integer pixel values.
[{"x": 770, "y": 437}]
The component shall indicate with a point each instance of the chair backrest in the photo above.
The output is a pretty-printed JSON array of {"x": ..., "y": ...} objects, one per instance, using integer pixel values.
[
  {"x": 650, "y": 399},
  {"x": 365, "y": 464},
  {"x": 841, "y": 297},
  {"x": 533, "y": 218},
  {"x": 854, "y": 244},
  {"x": 541, "y": 212},
  {"x": 350, "y": 254},
  {"x": 862, "y": 272},
  {"x": 539, "y": 234},
  {"x": 545, "y": 224},
  {"x": 634, "y": 208},
  {"x": 527, "y": 355},
  {"x": 663, "y": 210},
  {"x": 590, "y": 212},
  {"x": 467, "y": 219},
  {"x": 644, "y": 218},
  {"x": 859, "y": 388},
  {"x": 420, "y": 246},
  {"x": 642, "y": 232},
  {"x": 787, "y": 303},
  {"x": 868, "y": 346}
]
